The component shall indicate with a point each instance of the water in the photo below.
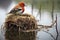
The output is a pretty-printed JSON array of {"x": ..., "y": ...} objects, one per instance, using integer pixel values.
[{"x": 45, "y": 20}]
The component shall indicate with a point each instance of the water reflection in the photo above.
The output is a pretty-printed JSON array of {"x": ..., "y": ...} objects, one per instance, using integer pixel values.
[
  {"x": 14, "y": 34},
  {"x": 28, "y": 35}
]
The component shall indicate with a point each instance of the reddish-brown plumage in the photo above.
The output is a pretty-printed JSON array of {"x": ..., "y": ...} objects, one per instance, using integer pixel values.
[{"x": 20, "y": 5}]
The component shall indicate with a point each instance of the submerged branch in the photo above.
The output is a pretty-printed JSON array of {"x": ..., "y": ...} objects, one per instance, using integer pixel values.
[
  {"x": 40, "y": 11},
  {"x": 50, "y": 34},
  {"x": 56, "y": 29},
  {"x": 52, "y": 13},
  {"x": 32, "y": 6}
]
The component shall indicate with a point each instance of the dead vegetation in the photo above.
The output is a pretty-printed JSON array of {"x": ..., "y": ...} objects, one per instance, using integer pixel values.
[
  {"x": 23, "y": 21},
  {"x": 17, "y": 24}
]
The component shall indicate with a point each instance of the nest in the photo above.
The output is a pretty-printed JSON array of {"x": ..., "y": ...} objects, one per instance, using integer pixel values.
[
  {"x": 16, "y": 24},
  {"x": 20, "y": 21}
]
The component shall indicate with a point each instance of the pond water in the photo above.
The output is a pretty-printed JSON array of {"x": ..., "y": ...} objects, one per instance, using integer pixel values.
[{"x": 39, "y": 35}]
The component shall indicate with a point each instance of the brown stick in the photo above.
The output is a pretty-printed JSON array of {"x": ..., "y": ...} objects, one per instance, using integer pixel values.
[{"x": 48, "y": 25}]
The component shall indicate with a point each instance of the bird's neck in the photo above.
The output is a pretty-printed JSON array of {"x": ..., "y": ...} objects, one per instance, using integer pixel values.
[{"x": 23, "y": 9}]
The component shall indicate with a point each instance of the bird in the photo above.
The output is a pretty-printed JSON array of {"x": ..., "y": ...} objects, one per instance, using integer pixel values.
[{"x": 19, "y": 8}]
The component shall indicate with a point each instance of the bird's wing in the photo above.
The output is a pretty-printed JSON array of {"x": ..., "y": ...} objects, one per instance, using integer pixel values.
[{"x": 15, "y": 10}]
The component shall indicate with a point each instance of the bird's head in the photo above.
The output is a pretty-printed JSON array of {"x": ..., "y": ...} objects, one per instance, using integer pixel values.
[{"x": 22, "y": 4}]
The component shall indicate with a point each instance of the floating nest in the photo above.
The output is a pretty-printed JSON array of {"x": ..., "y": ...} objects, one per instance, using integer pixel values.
[{"x": 22, "y": 22}]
